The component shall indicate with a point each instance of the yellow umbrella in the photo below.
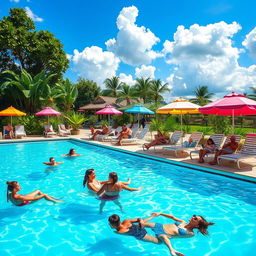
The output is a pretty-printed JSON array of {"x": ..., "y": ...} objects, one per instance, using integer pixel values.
[
  {"x": 11, "y": 111},
  {"x": 179, "y": 107}
]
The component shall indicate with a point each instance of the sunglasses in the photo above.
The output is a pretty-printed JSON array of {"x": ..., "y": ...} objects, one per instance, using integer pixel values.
[{"x": 195, "y": 217}]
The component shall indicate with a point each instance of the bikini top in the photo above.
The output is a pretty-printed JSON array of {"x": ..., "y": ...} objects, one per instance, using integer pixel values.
[{"x": 182, "y": 231}]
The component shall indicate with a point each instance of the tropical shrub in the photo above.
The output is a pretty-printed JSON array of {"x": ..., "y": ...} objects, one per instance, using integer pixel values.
[
  {"x": 32, "y": 125},
  {"x": 75, "y": 120},
  {"x": 221, "y": 124}
]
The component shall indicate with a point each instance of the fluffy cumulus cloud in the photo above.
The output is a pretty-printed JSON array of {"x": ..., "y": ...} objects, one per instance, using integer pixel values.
[
  {"x": 250, "y": 42},
  {"x": 133, "y": 44},
  {"x": 95, "y": 64},
  {"x": 33, "y": 16},
  {"x": 205, "y": 55},
  {"x": 127, "y": 79},
  {"x": 145, "y": 72}
]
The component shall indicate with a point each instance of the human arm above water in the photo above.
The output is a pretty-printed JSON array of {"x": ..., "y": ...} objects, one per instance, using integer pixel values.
[{"x": 169, "y": 216}]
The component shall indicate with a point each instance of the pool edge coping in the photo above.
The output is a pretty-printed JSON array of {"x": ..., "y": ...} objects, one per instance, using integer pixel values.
[{"x": 159, "y": 159}]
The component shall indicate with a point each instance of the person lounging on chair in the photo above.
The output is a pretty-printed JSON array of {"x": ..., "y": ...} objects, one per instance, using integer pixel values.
[
  {"x": 8, "y": 131},
  {"x": 48, "y": 130},
  {"x": 63, "y": 131}
]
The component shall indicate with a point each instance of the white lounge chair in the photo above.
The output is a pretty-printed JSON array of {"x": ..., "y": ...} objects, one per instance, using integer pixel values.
[
  {"x": 109, "y": 136},
  {"x": 195, "y": 137},
  {"x": 218, "y": 141},
  {"x": 63, "y": 131},
  {"x": 19, "y": 131},
  {"x": 174, "y": 139},
  {"x": 133, "y": 136},
  {"x": 248, "y": 150},
  {"x": 48, "y": 130}
]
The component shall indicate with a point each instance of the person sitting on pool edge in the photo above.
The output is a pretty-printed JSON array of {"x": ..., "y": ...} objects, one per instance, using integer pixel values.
[
  {"x": 72, "y": 153},
  {"x": 93, "y": 184},
  {"x": 162, "y": 231},
  {"x": 110, "y": 191},
  {"x": 20, "y": 200},
  {"x": 52, "y": 162},
  {"x": 228, "y": 148},
  {"x": 8, "y": 130}
]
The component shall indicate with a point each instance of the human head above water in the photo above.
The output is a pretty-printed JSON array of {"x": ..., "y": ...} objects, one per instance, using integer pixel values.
[
  {"x": 87, "y": 174},
  {"x": 11, "y": 185},
  {"x": 200, "y": 223},
  {"x": 51, "y": 160},
  {"x": 71, "y": 151},
  {"x": 113, "y": 177},
  {"x": 114, "y": 221}
]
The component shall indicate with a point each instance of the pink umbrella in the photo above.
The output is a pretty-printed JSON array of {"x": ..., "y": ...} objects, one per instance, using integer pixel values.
[
  {"x": 231, "y": 105},
  {"x": 109, "y": 110},
  {"x": 47, "y": 111}
]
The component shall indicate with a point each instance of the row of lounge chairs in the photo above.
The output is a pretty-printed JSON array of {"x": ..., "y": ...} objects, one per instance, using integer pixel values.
[{"x": 19, "y": 131}]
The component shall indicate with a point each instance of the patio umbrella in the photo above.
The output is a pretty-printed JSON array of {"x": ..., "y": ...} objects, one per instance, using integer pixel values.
[
  {"x": 231, "y": 105},
  {"x": 138, "y": 109},
  {"x": 109, "y": 110},
  {"x": 47, "y": 111},
  {"x": 11, "y": 111}
]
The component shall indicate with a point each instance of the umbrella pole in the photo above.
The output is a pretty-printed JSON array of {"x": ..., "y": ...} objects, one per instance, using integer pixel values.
[
  {"x": 181, "y": 129},
  {"x": 11, "y": 120},
  {"x": 138, "y": 120},
  {"x": 233, "y": 121},
  {"x": 48, "y": 120}
]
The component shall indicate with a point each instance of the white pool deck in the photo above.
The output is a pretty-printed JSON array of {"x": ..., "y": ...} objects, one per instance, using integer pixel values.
[{"x": 248, "y": 167}]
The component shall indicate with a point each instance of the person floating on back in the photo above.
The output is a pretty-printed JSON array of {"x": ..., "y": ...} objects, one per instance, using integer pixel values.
[
  {"x": 52, "y": 162},
  {"x": 20, "y": 200},
  {"x": 72, "y": 153}
]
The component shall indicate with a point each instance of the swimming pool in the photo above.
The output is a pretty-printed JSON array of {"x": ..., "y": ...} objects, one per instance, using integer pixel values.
[{"x": 75, "y": 227}]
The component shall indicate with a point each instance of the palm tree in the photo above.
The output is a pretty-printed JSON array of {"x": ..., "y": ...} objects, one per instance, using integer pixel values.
[
  {"x": 157, "y": 88},
  {"x": 203, "y": 96},
  {"x": 30, "y": 89},
  {"x": 253, "y": 95},
  {"x": 143, "y": 87},
  {"x": 112, "y": 86},
  {"x": 127, "y": 93}
]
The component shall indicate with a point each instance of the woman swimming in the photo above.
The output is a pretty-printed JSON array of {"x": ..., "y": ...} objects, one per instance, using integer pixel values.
[
  {"x": 52, "y": 162},
  {"x": 72, "y": 153},
  {"x": 93, "y": 184},
  {"x": 110, "y": 191},
  {"x": 20, "y": 200},
  {"x": 180, "y": 228}
]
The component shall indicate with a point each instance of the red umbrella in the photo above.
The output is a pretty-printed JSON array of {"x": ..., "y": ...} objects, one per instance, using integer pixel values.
[
  {"x": 109, "y": 110},
  {"x": 47, "y": 111},
  {"x": 231, "y": 105}
]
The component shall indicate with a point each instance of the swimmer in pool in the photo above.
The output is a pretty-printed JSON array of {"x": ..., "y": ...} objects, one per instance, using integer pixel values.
[
  {"x": 52, "y": 162},
  {"x": 110, "y": 191},
  {"x": 20, "y": 200},
  {"x": 93, "y": 184},
  {"x": 72, "y": 153}
]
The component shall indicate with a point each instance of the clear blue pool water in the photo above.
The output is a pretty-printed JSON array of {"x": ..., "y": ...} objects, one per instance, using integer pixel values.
[{"x": 74, "y": 228}]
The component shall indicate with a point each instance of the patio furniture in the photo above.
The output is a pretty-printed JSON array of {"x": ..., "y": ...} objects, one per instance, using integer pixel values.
[
  {"x": 63, "y": 131},
  {"x": 248, "y": 150},
  {"x": 48, "y": 130},
  {"x": 218, "y": 141},
  {"x": 195, "y": 137},
  {"x": 19, "y": 131}
]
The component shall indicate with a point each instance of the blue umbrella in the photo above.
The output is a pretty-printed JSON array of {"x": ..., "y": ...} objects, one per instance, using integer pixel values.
[{"x": 138, "y": 109}]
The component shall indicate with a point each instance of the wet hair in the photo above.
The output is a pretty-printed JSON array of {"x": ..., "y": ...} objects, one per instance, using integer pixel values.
[
  {"x": 50, "y": 159},
  {"x": 70, "y": 151},
  {"x": 114, "y": 220},
  {"x": 203, "y": 225},
  {"x": 10, "y": 186},
  {"x": 86, "y": 176},
  {"x": 113, "y": 176},
  {"x": 211, "y": 141}
]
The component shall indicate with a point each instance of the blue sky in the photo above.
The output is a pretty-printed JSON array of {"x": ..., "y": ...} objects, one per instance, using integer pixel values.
[{"x": 218, "y": 52}]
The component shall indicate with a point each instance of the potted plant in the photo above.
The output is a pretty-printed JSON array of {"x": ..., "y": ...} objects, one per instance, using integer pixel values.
[{"x": 75, "y": 120}]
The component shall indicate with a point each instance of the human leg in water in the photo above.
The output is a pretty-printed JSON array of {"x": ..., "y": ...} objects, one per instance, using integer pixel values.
[
  {"x": 102, "y": 204},
  {"x": 117, "y": 202},
  {"x": 167, "y": 242}
]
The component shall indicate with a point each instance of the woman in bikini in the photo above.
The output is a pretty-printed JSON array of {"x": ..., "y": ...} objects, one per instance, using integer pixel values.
[
  {"x": 93, "y": 184},
  {"x": 210, "y": 147},
  {"x": 110, "y": 191},
  {"x": 72, "y": 153},
  {"x": 159, "y": 140},
  {"x": 163, "y": 232},
  {"x": 20, "y": 200}
]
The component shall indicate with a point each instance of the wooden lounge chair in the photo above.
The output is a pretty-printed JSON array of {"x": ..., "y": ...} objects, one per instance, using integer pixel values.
[
  {"x": 48, "y": 130},
  {"x": 63, "y": 131},
  {"x": 19, "y": 131},
  {"x": 218, "y": 140},
  {"x": 195, "y": 137},
  {"x": 174, "y": 139},
  {"x": 248, "y": 150}
]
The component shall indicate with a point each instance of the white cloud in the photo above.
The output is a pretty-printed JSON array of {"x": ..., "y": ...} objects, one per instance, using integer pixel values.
[
  {"x": 250, "y": 42},
  {"x": 69, "y": 56},
  {"x": 15, "y": 1},
  {"x": 204, "y": 55},
  {"x": 33, "y": 16},
  {"x": 133, "y": 44},
  {"x": 145, "y": 72},
  {"x": 95, "y": 64},
  {"x": 127, "y": 79}
]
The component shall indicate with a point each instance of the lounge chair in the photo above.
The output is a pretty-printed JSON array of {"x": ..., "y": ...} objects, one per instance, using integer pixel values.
[
  {"x": 248, "y": 150},
  {"x": 48, "y": 130},
  {"x": 195, "y": 137},
  {"x": 19, "y": 131},
  {"x": 109, "y": 136},
  {"x": 218, "y": 140},
  {"x": 4, "y": 134},
  {"x": 174, "y": 139},
  {"x": 63, "y": 131}
]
